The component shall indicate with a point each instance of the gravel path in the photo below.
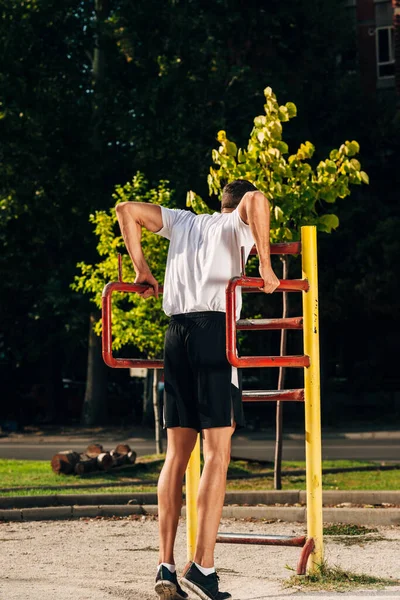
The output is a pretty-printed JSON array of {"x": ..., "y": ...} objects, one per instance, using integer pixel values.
[{"x": 111, "y": 559}]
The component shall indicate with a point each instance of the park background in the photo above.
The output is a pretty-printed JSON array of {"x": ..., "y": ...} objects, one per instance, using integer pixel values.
[{"x": 94, "y": 92}]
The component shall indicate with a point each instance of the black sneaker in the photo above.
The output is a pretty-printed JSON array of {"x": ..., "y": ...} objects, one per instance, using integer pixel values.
[
  {"x": 204, "y": 586},
  {"x": 167, "y": 586}
]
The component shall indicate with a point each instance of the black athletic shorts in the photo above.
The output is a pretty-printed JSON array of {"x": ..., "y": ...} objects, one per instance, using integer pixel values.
[{"x": 202, "y": 390}]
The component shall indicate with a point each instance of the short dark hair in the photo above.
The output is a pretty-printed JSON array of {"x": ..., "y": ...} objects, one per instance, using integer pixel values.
[{"x": 234, "y": 191}]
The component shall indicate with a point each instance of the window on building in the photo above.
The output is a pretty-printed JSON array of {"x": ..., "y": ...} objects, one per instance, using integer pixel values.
[{"x": 385, "y": 51}]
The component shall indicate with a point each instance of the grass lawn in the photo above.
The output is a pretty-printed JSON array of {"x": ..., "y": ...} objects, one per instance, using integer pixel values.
[
  {"x": 23, "y": 476},
  {"x": 336, "y": 579}
]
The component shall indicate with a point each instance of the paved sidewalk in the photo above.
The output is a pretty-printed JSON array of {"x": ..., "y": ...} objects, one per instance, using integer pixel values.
[
  {"x": 137, "y": 433},
  {"x": 109, "y": 559}
]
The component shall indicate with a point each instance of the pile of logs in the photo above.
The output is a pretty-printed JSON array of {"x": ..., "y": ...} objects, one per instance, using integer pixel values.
[{"x": 93, "y": 459}]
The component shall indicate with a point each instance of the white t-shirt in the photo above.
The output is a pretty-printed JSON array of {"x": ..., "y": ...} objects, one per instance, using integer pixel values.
[{"x": 204, "y": 253}]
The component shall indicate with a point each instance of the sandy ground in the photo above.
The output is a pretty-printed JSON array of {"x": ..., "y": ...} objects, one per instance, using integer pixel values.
[{"x": 111, "y": 559}]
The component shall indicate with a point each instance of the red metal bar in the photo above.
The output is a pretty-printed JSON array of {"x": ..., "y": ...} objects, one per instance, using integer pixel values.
[
  {"x": 273, "y": 395},
  {"x": 304, "y": 556},
  {"x": 122, "y": 286},
  {"x": 109, "y": 359},
  {"x": 282, "y": 248},
  {"x": 264, "y": 540},
  {"x": 246, "y": 362},
  {"x": 252, "y": 361},
  {"x": 268, "y": 324},
  {"x": 253, "y": 284}
]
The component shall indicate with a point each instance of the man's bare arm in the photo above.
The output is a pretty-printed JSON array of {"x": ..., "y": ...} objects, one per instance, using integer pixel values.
[
  {"x": 132, "y": 216},
  {"x": 254, "y": 210}
]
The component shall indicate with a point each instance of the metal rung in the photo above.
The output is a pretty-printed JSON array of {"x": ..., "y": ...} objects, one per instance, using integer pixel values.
[
  {"x": 246, "y": 362},
  {"x": 253, "y": 285},
  {"x": 273, "y": 395},
  {"x": 282, "y": 248},
  {"x": 265, "y": 540},
  {"x": 264, "y": 324}
]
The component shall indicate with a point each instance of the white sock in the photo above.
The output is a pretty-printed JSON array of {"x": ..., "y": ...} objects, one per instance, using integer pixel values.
[
  {"x": 205, "y": 570},
  {"x": 171, "y": 568}
]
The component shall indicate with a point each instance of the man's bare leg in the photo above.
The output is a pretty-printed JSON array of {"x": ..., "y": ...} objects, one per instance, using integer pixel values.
[
  {"x": 210, "y": 501},
  {"x": 181, "y": 441}
]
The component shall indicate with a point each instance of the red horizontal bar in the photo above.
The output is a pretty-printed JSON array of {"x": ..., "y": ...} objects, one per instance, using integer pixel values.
[
  {"x": 265, "y": 540},
  {"x": 282, "y": 248},
  {"x": 246, "y": 362},
  {"x": 253, "y": 284},
  {"x": 132, "y": 363},
  {"x": 122, "y": 286},
  {"x": 273, "y": 395},
  {"x": 268, "y": 324}
]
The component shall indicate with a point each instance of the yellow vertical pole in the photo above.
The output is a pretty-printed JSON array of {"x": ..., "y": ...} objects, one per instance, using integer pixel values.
[
  {"x": 192, "y": 487},
  {"x": 312, "y": 396}
]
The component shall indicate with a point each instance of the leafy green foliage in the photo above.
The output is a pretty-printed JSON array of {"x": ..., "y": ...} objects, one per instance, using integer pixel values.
[
  {"x": 296, "y": 190},
  {"x": 135, "y": 320}
]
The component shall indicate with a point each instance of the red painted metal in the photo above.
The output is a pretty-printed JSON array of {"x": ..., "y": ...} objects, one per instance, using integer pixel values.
[
  {"x": 253, "y": 284},
  {"x": 304, "y": 556},
  {"x": 268, "y": 324},
  {"x": 273, "y": 395},
  {"x": 264, "y": 540},
  {"x": 253, "y": 361},
  {"x": 247, "y": 362},
  {"x": 109, "y": 359},
  {"x": 283, "y": 248}
]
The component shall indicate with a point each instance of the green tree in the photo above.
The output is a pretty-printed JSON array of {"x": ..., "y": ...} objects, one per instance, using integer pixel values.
[{"x": 137, "y": 323}]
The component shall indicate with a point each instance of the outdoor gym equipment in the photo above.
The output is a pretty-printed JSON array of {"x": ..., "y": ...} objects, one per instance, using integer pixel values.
[{"x": 312, "y": 544}]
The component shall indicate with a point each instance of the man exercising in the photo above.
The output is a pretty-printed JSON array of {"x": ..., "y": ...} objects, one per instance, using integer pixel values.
[{"x": 202, "y": 390}]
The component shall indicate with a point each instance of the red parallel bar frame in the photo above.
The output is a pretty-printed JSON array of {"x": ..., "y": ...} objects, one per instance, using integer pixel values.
[
  {"x": 273, "y": 395},
  {"x": 268, "y": 324},
  {"x": 109, "y": 359},
  {"x": 256, "y": 361}
]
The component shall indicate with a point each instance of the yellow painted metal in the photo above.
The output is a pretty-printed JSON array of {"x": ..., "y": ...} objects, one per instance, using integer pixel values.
[
  {"x": 312, "y": 396},
  {"x": 192, "y": 487}
]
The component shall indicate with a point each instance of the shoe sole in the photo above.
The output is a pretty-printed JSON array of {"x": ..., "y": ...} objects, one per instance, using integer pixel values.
[
  {"x": 192, "y": 587},
  {"x": 168, "y": 591}
]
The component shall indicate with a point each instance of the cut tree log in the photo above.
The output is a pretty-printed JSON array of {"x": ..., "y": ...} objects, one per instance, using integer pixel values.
[
  {"x": 132, "y": 457},
  {"x": 105, "y": 461},
  {"x": 87, "y": 466},
  {"x": 122, "y": 449},
  {"x": 123, "y": 459},
  {"x": 65, "y": 462},
  {"x": 119, "y": 459},
  {"x": 93, "y": 450},
  {"x": 92, "y": 459}
]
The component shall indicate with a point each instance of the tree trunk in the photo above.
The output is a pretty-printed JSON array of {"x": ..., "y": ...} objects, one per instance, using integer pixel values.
[
  {"x": 98, "y": 68},
  {"x": 148, "y": 411},
  {"x": 281, "y": 385},
  {"x": 156, "y": 408},
  {"x": 94, "y": 410},
  {"x": 94, "y": 406}
]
